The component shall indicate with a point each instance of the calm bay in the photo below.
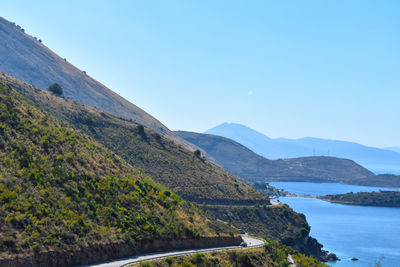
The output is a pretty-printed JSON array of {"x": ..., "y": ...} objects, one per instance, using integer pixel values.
[{"x": 367, "y": 233}]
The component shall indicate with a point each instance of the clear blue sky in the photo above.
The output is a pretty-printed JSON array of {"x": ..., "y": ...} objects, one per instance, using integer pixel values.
[{"x": 328, "y": 69}]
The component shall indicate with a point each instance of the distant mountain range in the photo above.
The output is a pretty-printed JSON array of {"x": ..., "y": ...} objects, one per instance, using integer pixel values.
[
  {"x": 376, "y": 159},
  {"x": 396, "y": 149},
  {"x": 251, "y": 167}
]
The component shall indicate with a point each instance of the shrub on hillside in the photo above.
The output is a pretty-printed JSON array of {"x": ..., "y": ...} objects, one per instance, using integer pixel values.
[{"x": 56, "y": 89}]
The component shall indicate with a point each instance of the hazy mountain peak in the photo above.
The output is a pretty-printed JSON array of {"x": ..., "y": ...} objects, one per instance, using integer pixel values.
[
  {"x": 237, "y": 128},
  {"x": 243, "y": 162},
  {"x": 393, "y": 148},
  {"x": 240, "y": 133},
  {"x": 376, "y": 159}
]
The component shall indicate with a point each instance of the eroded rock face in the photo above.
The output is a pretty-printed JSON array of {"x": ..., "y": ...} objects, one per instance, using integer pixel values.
[
  {"x": 99, "y": 253},
  {"x": 329, "y": 256},
  {"x": 310, "y": 246},
  {"x": 273, "y": 222}
]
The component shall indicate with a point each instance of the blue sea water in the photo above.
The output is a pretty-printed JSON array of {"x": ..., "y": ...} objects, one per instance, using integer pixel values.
[
  {"x": 321, "y": 189},
  {"x": 363, "y": 232}
]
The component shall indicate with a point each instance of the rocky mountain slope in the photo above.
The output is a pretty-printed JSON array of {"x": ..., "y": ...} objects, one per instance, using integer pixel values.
[
  {"x": 172, "y": 165},
  {"x": 278, "y": 222},
  {"x": 62, "y": 193},
  {"x": 179, "y": 169},
  {"x": 241, "y": 161},
  {"x": 27, "y": 59},
  {"x": 116, "y": 125}
]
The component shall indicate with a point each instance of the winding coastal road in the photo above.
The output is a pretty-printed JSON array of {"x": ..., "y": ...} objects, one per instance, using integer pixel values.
[{"x": 251, "y": 241}]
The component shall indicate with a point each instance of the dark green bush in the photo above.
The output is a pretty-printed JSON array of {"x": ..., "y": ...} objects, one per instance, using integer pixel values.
[
  {"x": 197, "y": 153},
  {"x": 56, "y": 89},
  {"x": 198, "y": 258}
]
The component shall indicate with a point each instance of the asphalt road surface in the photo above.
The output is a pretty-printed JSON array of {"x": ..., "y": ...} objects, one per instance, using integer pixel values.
[{"x": 251, "y": 241}]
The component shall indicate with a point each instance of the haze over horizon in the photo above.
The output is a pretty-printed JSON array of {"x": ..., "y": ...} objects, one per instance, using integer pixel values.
[
  {"x": 310, "y": 69},
  {"x": 393, "y": 148}
]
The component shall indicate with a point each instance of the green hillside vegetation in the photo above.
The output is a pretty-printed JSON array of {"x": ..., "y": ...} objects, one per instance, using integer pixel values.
[
  {"x": 274, "y": 254},
  {"x": 60, "y": 190},
  {"x": 381, "y": 198},
  {"x": 170, "y": 164},
  {"x": 273, "y": 222},
  {"x": 251, "y": 167},
  {"x": 177, "y": 168}
]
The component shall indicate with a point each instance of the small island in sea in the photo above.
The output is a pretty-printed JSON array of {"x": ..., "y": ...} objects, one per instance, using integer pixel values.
[{"x": 381, "y": 198}]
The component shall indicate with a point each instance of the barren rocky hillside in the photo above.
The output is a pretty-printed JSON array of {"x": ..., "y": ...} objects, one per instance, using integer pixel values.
[{"x": 27, "y": 59}]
